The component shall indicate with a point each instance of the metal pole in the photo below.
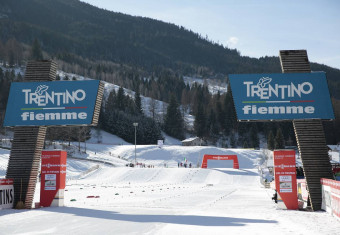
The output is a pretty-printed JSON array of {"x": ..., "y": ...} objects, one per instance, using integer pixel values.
[
  {"x": 135, "y": 124},
  {"x": 135, "y": 145}
]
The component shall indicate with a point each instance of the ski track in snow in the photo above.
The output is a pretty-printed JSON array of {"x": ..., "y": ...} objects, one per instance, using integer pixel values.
[{"x": 163, "y": 200}]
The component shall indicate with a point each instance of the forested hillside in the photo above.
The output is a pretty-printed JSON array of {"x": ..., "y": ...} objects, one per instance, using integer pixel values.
[{"x": 143, "y": 55}]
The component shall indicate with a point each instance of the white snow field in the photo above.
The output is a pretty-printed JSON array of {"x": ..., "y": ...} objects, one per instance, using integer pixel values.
[{"x": 103, "y": 199}]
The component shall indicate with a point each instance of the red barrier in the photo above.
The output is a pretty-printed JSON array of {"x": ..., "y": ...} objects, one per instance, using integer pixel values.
[
  {"x": 331, "y": 196},
  {"x": 53, "y": 178},
  {"x": 207, "y": 157},
  {"x": 285, "y": 177}
]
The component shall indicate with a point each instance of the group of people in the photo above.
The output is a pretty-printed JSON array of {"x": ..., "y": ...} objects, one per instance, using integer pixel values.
[
  {"x": 185, "y": 165},
  {"x": 142, "y": 165}
]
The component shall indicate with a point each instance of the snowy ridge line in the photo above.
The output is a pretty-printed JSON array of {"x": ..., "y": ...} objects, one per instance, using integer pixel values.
[{"x": 214, "y": 86}]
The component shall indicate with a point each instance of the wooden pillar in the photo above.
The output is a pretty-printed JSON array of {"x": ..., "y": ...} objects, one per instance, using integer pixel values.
[
  {"x": 24, "y": 160},
  {"x": 309, "y": 134}
]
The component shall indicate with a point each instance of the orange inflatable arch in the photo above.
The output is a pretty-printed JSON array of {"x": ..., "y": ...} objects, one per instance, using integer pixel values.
[{"x": 207, "y": 157}]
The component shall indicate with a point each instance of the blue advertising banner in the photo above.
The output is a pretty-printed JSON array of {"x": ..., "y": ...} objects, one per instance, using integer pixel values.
[
  {"x": 51, "y": 103},
  {"x": 283, "y": 96}
]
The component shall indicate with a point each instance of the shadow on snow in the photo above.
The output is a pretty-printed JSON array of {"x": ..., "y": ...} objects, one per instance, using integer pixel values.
[{"x": 167, "y": 219}]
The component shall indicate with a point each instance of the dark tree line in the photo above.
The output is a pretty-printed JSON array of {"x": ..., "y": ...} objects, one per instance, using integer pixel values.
[{"x": 119, "y": 112}]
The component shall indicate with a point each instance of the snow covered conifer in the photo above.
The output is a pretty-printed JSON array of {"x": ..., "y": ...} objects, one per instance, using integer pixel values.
[{"x": 173, "y": 121}]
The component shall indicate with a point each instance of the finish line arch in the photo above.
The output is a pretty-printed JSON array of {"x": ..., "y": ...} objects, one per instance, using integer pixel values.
[{"x": 207, "y": 157}]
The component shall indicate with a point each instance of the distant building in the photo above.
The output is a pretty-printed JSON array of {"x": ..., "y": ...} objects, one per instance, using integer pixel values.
[
  {"x": 193, "y": 141},
  {"x": 334, "y": 153}
]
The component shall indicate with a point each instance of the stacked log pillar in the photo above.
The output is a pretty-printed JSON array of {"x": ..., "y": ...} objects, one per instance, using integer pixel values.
[
  {"x": 309, "y": 135},
  {"x": 28, "y": 142}
]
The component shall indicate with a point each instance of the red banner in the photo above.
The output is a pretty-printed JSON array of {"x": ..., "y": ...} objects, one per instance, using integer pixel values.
[
  {"x": 6, "y": 181},
  {"x": 53, "y": 177},
  {"x": 207, "y": 157},
  {"x": 285, "y": 177}
]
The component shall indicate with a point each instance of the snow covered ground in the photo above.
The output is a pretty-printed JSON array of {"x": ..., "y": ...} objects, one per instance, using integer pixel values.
[{"x": 162, "y": 200}]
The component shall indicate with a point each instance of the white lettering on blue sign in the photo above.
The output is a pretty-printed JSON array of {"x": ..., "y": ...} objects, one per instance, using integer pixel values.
[
  {"x": 253, "y": 109},
  {"x": 280, "y": 91},
  {"x": 31, "y": 116},
  {"x": 41, "y": 97},
  {"x": 51, "y": 103},
  {"x": 281, "y": 96}
]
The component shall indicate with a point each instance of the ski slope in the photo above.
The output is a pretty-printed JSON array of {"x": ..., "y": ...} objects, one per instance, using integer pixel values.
[{"x": 102, "y": 199}]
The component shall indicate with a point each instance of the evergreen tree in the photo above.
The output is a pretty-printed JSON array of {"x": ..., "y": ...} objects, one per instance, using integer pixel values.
[
  {"x": 11, "y": 61},
  {"x": 173, "y": 121},
  {"x": 13, "y": 52},
  {"x": 120, "y": 102},
  {"x": 289, "y": 141},
  {"x": 220, "y": 114},
  {"x": 2, "y": 52},
  {"x": 254, "y": 139},
  {"x": 229, "y": 110},
  {"x": 212, "y": 124},
  {"x": 270, "y": 141},
  {"x": 36, "y": 52},
  {"x": 19, "y": 78},
  {"x": 200, "y": 122},
  {"x": 109, "y": 110},
  {"x": 279, "y": 140},
  {"x": 232, "y": 140},
  {"x": 245, "y": 144},
  {"x": 138, "y": 102}
]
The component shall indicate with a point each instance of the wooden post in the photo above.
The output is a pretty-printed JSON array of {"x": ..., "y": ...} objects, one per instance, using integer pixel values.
[
  {"x": 309, "y": 134},
  {"x": 24, "y": 160}
]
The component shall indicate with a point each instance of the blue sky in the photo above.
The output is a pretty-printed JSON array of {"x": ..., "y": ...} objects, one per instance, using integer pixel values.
[{"x": 256, "y": 28}]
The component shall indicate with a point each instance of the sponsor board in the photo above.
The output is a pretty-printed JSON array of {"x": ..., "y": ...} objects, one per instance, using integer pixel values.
[
  {"x": 50, "y": 181},
  {"x": 53, "y": 177},
  {"x": 6, "y": 194},
  {"x": 283, "y": 96},
  {"x": 51, "y": 103},
  {"x": 285, "y": 177}
]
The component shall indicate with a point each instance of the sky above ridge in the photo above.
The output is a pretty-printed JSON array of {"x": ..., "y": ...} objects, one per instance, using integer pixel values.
[{"x": 255, "y": 28}]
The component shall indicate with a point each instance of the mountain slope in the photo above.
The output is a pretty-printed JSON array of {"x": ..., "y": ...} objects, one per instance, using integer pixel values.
[
  {"x": 75, "y": 27},
  {"x": 70, "y": 28}
]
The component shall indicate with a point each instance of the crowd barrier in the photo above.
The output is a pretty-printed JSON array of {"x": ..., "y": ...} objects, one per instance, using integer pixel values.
[{"x": 331, "y": 197}]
